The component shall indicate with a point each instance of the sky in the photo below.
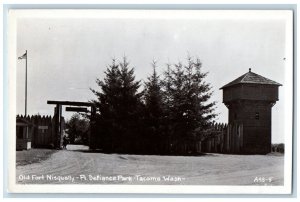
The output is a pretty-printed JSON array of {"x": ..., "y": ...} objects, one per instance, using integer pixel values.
[{"x": 66, "y": 54}]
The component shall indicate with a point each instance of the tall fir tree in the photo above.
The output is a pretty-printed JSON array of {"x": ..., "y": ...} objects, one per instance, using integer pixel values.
[
  {"x": 167, "y": 123},
  {"x": 180, "y": 129},
  {"x": 154, "y": 111},
  {"x": 174, "y": 111},
  {"x": 167, "y": 90},
  {"x": 119, "y": 105},
  {"x": 107, "y": 104},
  {"x": 130, "y": 109},
  {"x": 191, "y": 112},
  {"x": 203, "y": 92}
]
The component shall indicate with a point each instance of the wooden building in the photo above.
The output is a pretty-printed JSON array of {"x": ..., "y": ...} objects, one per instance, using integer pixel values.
[
  {"x": 250, "y": 99},
  {"x": 39, "y": 132},
  {"x": 24, "y": 130}
]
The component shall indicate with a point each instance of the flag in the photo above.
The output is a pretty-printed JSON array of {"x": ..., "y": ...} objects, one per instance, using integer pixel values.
[{"x": 24, "y": 56}]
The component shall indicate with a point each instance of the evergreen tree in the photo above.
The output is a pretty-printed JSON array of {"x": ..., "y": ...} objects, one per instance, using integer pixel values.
[
  {"x": 130, "y": 109},
  {"x": 190, "y": 110},
  {"x": 119, "y": 105},
  {"x": 153, "y": 111},
  {"x": 107, "y": 103},
  {"x": 167, "y": 91},
  {"x": 175, "y": 111},
  {"x": 167, "y": 97},
  {"x": 179, "y": 126},
  {"x": 201, "y": 95}
]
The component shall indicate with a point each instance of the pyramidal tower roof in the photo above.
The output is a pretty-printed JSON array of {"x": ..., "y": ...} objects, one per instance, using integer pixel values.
[{"x": 251, "y": 78}]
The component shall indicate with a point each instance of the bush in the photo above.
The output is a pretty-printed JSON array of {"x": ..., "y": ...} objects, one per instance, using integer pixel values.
[{"x": 278, "y": 148}]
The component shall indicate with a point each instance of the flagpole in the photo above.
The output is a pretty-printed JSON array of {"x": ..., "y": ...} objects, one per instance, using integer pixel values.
[{"x": 26, "y": 87}]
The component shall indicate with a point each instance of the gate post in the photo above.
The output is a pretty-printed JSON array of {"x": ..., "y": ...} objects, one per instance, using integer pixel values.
[
  {"x": 92, "y": 138},
  {"x": 57, "y": 126}
]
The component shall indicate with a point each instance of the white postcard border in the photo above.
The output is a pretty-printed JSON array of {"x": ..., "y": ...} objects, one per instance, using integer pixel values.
[{"x": 184, "y": 189}]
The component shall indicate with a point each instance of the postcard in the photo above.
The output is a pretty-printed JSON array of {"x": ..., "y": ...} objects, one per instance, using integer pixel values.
[{"x": 150, "y": 101}]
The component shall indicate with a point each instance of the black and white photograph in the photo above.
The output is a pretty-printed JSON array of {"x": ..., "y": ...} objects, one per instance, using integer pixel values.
[{"x": 187, "y": 101}]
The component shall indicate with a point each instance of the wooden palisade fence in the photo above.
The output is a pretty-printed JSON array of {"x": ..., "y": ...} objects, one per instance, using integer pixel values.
[
  {"x": 43, "y": 134},
  {"x": 220, "y": 138},
  {"x": 224, "y": 139}
]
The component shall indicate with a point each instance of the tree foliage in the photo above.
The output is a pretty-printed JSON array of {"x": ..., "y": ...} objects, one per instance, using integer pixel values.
[
  {"x": 119, "y": 105},
  {"x": 78, "y": 128},
  {"x": 154, "y": 111},
  {"x": 172, "y": 109},
  {"x": 187, "y": 96}
]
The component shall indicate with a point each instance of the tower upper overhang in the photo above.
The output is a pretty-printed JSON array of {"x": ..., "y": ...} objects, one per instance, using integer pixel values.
[{"x": 251, "y": 78}]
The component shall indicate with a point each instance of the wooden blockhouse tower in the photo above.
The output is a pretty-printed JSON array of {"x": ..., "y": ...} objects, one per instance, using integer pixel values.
[{"x": 250, "y": 99}]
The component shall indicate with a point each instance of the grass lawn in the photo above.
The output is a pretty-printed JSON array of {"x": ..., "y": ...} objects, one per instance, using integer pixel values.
[{"x": 33, "y": 156}]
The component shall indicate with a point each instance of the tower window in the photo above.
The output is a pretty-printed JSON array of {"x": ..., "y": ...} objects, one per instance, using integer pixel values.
[{"x": 257, "y": 115}]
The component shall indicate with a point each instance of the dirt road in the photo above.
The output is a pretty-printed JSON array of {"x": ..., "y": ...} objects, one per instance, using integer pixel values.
[{"x": 79, "y": 166}]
